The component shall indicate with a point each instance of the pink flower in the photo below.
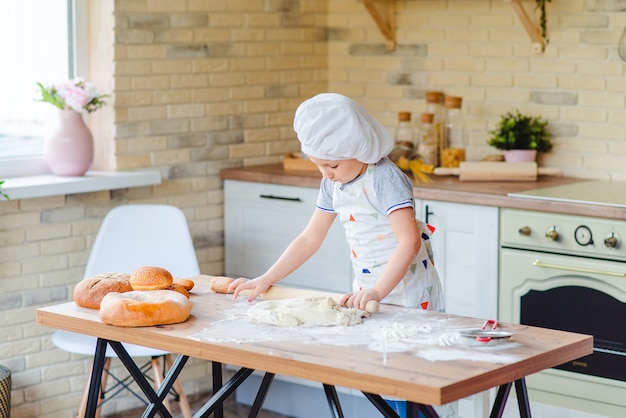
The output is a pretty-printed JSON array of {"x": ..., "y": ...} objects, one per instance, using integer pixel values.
[
  {"x": 77, "y": 94},
  {"x": 74, "y": 95}
]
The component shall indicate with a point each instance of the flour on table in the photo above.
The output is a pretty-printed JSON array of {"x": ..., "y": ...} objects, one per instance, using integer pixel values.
[{"x": 314, "y": 311}]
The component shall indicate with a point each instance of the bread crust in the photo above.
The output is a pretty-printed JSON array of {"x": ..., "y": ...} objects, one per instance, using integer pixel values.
[
  {"x": 143, "y": 308},
  {"x": 89, "y": 292},
  {"x": 150, "y": 278},
  {"x": 177, "y": 287}
]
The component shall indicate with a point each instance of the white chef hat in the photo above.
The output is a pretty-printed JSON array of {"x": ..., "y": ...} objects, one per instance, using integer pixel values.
[{"x": 331, "y": 126}]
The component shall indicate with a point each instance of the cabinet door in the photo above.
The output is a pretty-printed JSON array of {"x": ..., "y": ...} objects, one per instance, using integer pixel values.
[
  {"x": 261, "y": 219},
  {"x": 465, "y": 249}
]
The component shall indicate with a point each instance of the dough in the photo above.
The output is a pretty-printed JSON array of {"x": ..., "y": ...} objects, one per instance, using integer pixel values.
[
  {"x": 142, "y": 308},
  {"x": 219, "y": 284},
  {"x": 315, "y": 311}
]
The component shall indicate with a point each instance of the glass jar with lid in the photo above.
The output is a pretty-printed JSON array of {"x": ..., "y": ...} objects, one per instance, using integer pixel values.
[
  {"x": 434, "y": 105},
  {"x": 454, "y": 141},
  {"x": 427, "y": 147},
  {"x": 404, "y": 138}
]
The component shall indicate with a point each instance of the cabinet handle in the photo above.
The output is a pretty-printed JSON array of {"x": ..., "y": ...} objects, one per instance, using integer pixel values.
[
  {"x": 577, "y": 269},
  {"x": 427, "y": 214},
  {"x": 290, "y": 199}
]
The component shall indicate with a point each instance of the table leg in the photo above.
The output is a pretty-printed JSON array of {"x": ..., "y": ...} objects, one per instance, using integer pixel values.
[
  {"x": 224, "y": 392},
  {"x": 96, "y": 378},
  {"x": 427, "y": 410},
  {"x": 261, "y": 394},
  {"x": 156, "y": 400},
  {"x": 523, "y": 402},
  {"x": 382, "y": 405},
  {"x": 333, "y": 401},
  {"x": 500, "y": 401},
  {"x": 216, "y": 369}
]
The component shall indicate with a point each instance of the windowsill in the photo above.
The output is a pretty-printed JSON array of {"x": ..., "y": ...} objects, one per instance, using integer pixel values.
[{"x": 93, "y": 181}]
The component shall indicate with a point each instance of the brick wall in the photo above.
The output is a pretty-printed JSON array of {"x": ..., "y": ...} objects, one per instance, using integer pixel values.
[
  {"x": 197, "y": 85},
  {"x": 479, "y": 50},
  {"x": 204, "y": 84}
]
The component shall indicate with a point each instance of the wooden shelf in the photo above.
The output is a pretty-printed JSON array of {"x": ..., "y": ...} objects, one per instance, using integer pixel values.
[
  {"x": 384, "y": 14},
  {"x": 534, "y": 32}
]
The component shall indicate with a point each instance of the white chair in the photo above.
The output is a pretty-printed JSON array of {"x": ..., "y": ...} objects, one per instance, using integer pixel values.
[{"x": 132, "y": 236}]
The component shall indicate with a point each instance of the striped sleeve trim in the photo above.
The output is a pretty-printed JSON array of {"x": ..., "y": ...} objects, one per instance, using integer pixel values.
[
  {"x": 401, "y": 205},
  {"x": 330, "y": 210}
]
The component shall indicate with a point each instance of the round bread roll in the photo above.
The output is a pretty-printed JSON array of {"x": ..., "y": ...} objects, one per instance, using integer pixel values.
[
  {"x": 89, "y": 292},
  {"x": 141, "y": 308},
  {"x": 219, "y": 284},
  {"x": 186, "y": 283},
  {"x": 150, "y": 278}
]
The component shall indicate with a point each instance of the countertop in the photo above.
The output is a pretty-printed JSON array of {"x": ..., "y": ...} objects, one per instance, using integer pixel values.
[{"x": 449, "y": 189}]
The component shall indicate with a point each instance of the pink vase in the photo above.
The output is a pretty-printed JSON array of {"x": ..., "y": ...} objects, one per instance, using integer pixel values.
[{"x": 69, "y": 147}]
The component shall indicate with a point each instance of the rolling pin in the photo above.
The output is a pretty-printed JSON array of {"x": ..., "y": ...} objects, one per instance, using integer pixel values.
[
  {"x": 497, "y": 171},
  {"x": 282, "y": 292}
]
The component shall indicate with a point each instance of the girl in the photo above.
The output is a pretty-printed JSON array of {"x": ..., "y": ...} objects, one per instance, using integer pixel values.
[{"x": 374, "y": 201}]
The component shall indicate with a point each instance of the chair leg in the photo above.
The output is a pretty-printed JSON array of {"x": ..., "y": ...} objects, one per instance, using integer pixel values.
[
  {"x": 158, "y": 379},
  {"x": 82, "y": 406},
  {"x": 182, "y": 398}
]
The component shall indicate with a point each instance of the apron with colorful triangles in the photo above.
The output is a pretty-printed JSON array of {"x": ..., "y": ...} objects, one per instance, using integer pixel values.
[{"x": 372, "y": 241}]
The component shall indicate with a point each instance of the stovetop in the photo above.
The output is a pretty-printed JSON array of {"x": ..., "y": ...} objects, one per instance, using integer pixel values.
[{"x": 596, "y": 192}]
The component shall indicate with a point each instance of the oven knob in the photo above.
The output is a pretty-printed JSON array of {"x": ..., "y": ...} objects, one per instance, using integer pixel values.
[
  {"x": 524, "y": 231},
  {"x": 611, "y": 241},
  {"x": 552, "y": 234}
]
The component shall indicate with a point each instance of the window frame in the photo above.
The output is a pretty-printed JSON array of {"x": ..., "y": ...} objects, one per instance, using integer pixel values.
[{"x": 34, "y": 165}]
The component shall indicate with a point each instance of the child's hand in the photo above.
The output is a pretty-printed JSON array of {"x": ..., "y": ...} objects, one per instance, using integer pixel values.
[
  {"x": 359, "y": 299},
  {"x": 251, "y": 288}
]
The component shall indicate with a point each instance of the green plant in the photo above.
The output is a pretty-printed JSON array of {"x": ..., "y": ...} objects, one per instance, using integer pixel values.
[
  {"x": 543, "y": 21},
  {"x": 2, "y": 193},
  {"x": 517, "y": 131}
]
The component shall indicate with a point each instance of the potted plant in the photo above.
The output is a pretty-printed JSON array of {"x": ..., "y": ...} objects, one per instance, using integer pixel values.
[
  {"x": 516, "y": 132},
  {"x": 69, "y": 146}
]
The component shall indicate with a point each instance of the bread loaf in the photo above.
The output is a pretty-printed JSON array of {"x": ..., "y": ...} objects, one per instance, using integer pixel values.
[
  {"x": 141, "y": 308},
  {"x": 89, "y": 292}
]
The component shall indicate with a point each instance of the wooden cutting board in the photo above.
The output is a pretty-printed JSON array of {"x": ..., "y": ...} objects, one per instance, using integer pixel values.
[{"x": 497, "y": 171}]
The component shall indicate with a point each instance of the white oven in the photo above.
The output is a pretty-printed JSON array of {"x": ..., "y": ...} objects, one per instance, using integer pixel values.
[{"x": 569, "y": 273}]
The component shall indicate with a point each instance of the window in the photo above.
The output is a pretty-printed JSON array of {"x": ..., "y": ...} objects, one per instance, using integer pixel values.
[{"x": 37, "y": 46}]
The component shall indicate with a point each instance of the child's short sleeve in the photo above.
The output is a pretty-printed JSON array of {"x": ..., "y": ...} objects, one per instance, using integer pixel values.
[
  {"x": 393, "y": 188},
  {"x": 325, "y": 196}
]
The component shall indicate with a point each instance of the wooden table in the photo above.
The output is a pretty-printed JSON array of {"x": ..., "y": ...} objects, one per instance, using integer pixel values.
[{"x": 432, "y": 366}]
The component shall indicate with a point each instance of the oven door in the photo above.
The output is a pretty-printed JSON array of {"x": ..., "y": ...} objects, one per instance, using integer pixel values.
[{"x": 572, "y": 294}]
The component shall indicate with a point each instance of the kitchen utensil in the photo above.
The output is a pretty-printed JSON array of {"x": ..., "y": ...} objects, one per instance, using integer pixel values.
[
  {"x": 497, "y": 171},
  {"x": 484, "y": 335}
]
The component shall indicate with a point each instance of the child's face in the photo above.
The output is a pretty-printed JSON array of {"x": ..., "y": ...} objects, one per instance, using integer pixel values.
[{"x": 343, "y": 171}]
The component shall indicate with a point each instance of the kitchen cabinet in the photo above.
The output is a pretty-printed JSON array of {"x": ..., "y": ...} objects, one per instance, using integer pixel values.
[
  {"x": 465, "y": 249},
  {"x": 261, "y": 219}
]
